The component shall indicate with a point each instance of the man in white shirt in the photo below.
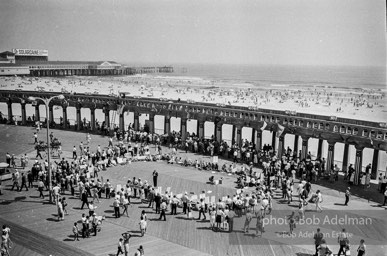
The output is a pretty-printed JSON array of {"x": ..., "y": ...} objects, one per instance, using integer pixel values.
[{"x": 184, "y": 199}]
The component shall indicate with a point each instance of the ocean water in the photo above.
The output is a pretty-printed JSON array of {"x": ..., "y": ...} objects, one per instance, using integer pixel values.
[
  {"x": 331, "y": 76},
  {"x": 357, "y": 78}
]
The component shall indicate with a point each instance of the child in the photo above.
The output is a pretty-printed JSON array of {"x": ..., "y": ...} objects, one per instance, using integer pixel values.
[
  {"x": 76, "y": 231},
  {"x": 143, "y": 215},
  {"x": 142, "y": 226}
]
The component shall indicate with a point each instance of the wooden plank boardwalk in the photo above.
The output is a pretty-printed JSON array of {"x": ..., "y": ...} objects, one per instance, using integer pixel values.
[{"x": 32, "y": 219}]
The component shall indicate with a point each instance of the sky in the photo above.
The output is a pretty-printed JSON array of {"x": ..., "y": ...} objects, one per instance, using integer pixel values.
[{"x": 251, "y": 32}]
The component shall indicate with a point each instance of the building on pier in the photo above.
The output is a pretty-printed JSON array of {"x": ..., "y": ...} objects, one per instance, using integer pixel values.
[
  {"x": 360, "y": 134},
  {"x": 35, "y": 62}
]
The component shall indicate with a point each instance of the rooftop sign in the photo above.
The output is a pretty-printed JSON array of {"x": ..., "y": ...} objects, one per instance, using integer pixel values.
[{"x": 30, "y": 52}]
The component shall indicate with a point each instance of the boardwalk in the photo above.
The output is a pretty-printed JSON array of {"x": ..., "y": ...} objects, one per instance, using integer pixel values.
[{"x": 36, "y": 231}]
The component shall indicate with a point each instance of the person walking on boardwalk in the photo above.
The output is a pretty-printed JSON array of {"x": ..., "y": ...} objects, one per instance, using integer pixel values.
[
  {"x": 347, "y": 195},
  {"x": 343, "y": 242},
  {"x": 318, "y": 237},
  {"x": 361, "y": 250},
  {"x": 107, "y": 186},
  {"x": 74, "y": 153},
  {"x": 116, "y": 205},
  {"x": 385, "y": 198},
  {"x": 292, "y": 223},
  {"x": 231, "y": 215},
  {"x": 155, "y": 175},
  {"x": 249, "y": 217},
  {"x": 126, "y": 236},
  {"x": 143, "y": 226},
  {"x": 163, "y": 208},
  {"x": 15, "y": 181},
  {"x": 23, "y": 182},
  {"x": 35, "y": 138},
  {"x": 40, "y": 188},
  {"x": 76, "y": 232},
  {"x": 120, "y": 246},
  {"x": 202, "y": 207},
  {"x": 84, "y": 199},
  {"x": 319, "y": 200}
]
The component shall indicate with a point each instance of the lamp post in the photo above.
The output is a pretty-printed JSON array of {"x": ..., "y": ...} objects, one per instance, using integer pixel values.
[{"x": 47, "y": 103}]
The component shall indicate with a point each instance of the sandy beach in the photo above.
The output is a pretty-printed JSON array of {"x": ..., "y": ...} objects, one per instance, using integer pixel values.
[{"x": 361, "y": 104}]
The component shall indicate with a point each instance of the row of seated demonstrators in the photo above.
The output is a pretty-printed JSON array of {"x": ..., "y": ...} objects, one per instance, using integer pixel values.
[{"x": 138, "y": 149}]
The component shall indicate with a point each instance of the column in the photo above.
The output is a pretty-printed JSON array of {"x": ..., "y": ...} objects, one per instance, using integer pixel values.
[
  {"x": 92, "y": 119},
  {"x": 121, "y": 123},
  {"x": 218, "y": 131},
  {"x": 258, "y": 140},
  {"x": 51, "y": 114},
  {"x": 64, "y": 108},
  {"x": 358, "y": 164},
  {"x": 319, "y": 148},
  {"x": 233, "y": 135},
  {"x": 304, "y": 149},
  {"x": 345, "y": 158},
  {"x": 23, "y": 113},
  {"x": 107, "y": 117},
  {"x": 330, "y": 157},
  {"x": 295, "y": 147},
  {"x": 375, "y": 161},
  {"x": 281, "y": 143},
  {"x": 10, "y": 115},
  {"x": 253, "y": 138},
  {"x": 273, "y": 140},
  {"x": 167, "y": 125},
  {"x": 79, "y": 118},
  {"x": 183, "y": 128},
  {"x": 136, "y": 121},
  {"x": 151, "y": 123},
  {"x": 37, "y": 113},
  {"x": 239, "y": 135},
  {"x": 201, "y": 129}
]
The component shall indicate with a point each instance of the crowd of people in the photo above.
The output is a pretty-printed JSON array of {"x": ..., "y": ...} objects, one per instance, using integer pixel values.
[{"x": 81, "y": 175}]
